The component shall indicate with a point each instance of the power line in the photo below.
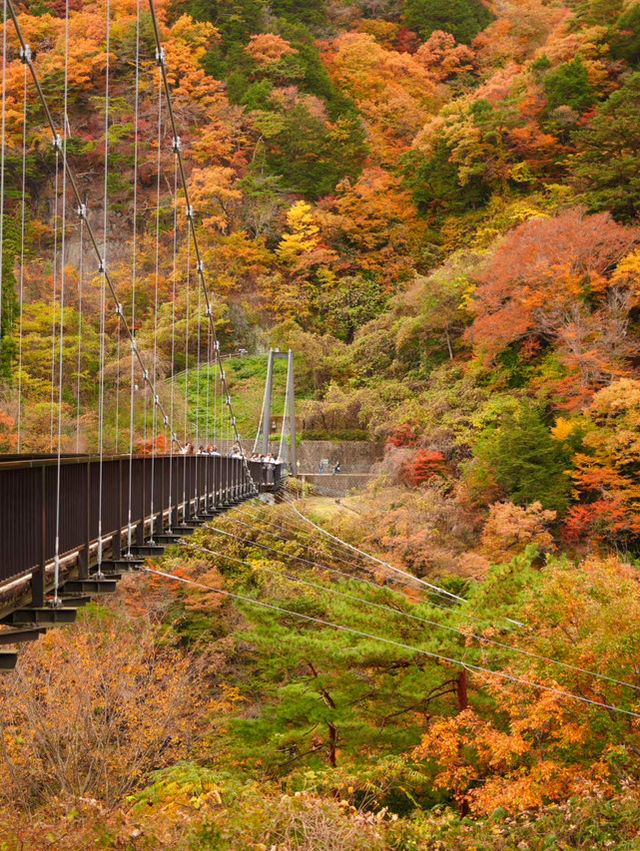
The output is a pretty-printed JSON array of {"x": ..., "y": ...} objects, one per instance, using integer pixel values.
[
  {"x": 479, "y": 638},
  {"x": 350, "y": 576},
  {"x": 469, "y": 666}
]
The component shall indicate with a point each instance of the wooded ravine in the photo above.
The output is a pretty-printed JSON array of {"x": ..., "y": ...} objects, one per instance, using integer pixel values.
[{"x": 434, "y": 204}]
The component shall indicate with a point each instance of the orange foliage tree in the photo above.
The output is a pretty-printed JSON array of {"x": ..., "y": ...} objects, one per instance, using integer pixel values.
[
  {"x": 91, "y": 709},
  {"x": 607, "y": 469},
  {"x": 8, "y": 434},
  {"x": 550, "y": 281},
  {"x": 395, "y": 92},
  {"x": 529, "y": 746}
]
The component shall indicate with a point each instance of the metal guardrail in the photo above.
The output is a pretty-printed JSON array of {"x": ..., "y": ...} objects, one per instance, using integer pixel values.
[{"x": 167, "y": 489}]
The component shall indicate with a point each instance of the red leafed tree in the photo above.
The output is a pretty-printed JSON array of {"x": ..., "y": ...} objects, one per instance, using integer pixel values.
[
  {"x": 402, "y": 436},
  {"x": 552, "y": 281},
  {"x": 8, "y": 435},
  {"x": 426, "y": 465},
  {"x": 442, "y": 57}
]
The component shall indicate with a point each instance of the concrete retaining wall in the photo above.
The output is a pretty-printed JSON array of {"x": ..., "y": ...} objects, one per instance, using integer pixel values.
[{"x": 355, "y": 456}]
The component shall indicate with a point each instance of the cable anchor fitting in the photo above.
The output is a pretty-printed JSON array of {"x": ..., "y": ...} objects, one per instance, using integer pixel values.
[
  {"x": 82, "y": 212},
  {"x": 25, "y": 54},
  {"x": 177, "y": 145},
  {"x": 190, "y": 213},
  {"x": 200, "y": 267},
  {"x": 102, "y": 268},
  {"x": 161, "y": 56},
  {"x": 57, "y": 143},
  {"x": 120, "y": 311}
]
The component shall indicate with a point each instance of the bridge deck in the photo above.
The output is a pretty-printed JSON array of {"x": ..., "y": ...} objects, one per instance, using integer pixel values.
[{"x": 101, "y": 499}]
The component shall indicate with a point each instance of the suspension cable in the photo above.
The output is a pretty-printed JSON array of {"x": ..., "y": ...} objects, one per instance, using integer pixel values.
[
  {"x": 103, "y": 288},
  {"x": 134, "y": 279},
  {"x": 80, "y": 330},
  {"x": 174, "y": 274},
  {"x": 63, "y": 268},
  {"x": 208, "y": 297},
  {"x": 284, "y": 412},
  {"x": 468, "y": 666},
  {"x": 56, "y": 191},
  {"x": 3, "y": 148},
  {"x": 23, "y": 211},
  {"x": 261, "y": 423},
  {"x": 154, "y": 421},
  {"x": 76, "y": 191}
]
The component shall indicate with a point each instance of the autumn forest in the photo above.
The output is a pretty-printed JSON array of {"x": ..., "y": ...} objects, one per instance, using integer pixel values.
[{"x": 434, "y": 204}]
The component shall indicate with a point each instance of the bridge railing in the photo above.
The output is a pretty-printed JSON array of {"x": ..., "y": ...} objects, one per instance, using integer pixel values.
[{"x": 100, "y": 498}]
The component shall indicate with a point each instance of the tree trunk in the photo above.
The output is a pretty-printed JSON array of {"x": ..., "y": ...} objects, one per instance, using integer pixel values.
[
  {"x": 333, "y": 730},
  {"x": 463, "y": 700}
]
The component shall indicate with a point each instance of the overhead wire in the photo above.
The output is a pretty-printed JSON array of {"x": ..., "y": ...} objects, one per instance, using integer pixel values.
[
  {"x": 323, "y": 567},
  {"x": 295, "y": 527},
  {"x": 468, "y": 666},
  {"x": 246, "y": 510},
  {"x": 436, "y": 588},
  {"x": 481, "y": 639}
]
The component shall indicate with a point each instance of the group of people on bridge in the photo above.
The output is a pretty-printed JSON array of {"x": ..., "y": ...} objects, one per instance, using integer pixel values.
[{"x": 236, "y": 451}]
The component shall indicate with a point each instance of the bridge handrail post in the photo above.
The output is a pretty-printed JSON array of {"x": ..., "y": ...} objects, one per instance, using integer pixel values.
[
  {"x": 37, "y": 576},
  {"x": 116, "y": 543},
  {"x": 173, "y": 496},
  {"x": 159, "y": 525},
  {"x": 143, "y": 506},
  {"x": 85, "y": 555}
]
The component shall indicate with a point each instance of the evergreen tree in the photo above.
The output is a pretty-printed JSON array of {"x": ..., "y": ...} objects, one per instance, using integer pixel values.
[
  {"x": 464, "y": 19},
  {"x": 525, "y": 460},
  {"x": 568, "y": 85},
  {"x": 607, "y": 163}
]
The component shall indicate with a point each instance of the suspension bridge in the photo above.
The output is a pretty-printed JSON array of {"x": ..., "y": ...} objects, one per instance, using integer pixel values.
[{"x": 72, "y": 522}]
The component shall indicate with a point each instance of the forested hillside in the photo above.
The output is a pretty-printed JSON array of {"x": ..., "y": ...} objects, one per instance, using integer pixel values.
[{"x": 435, "y": 204}]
